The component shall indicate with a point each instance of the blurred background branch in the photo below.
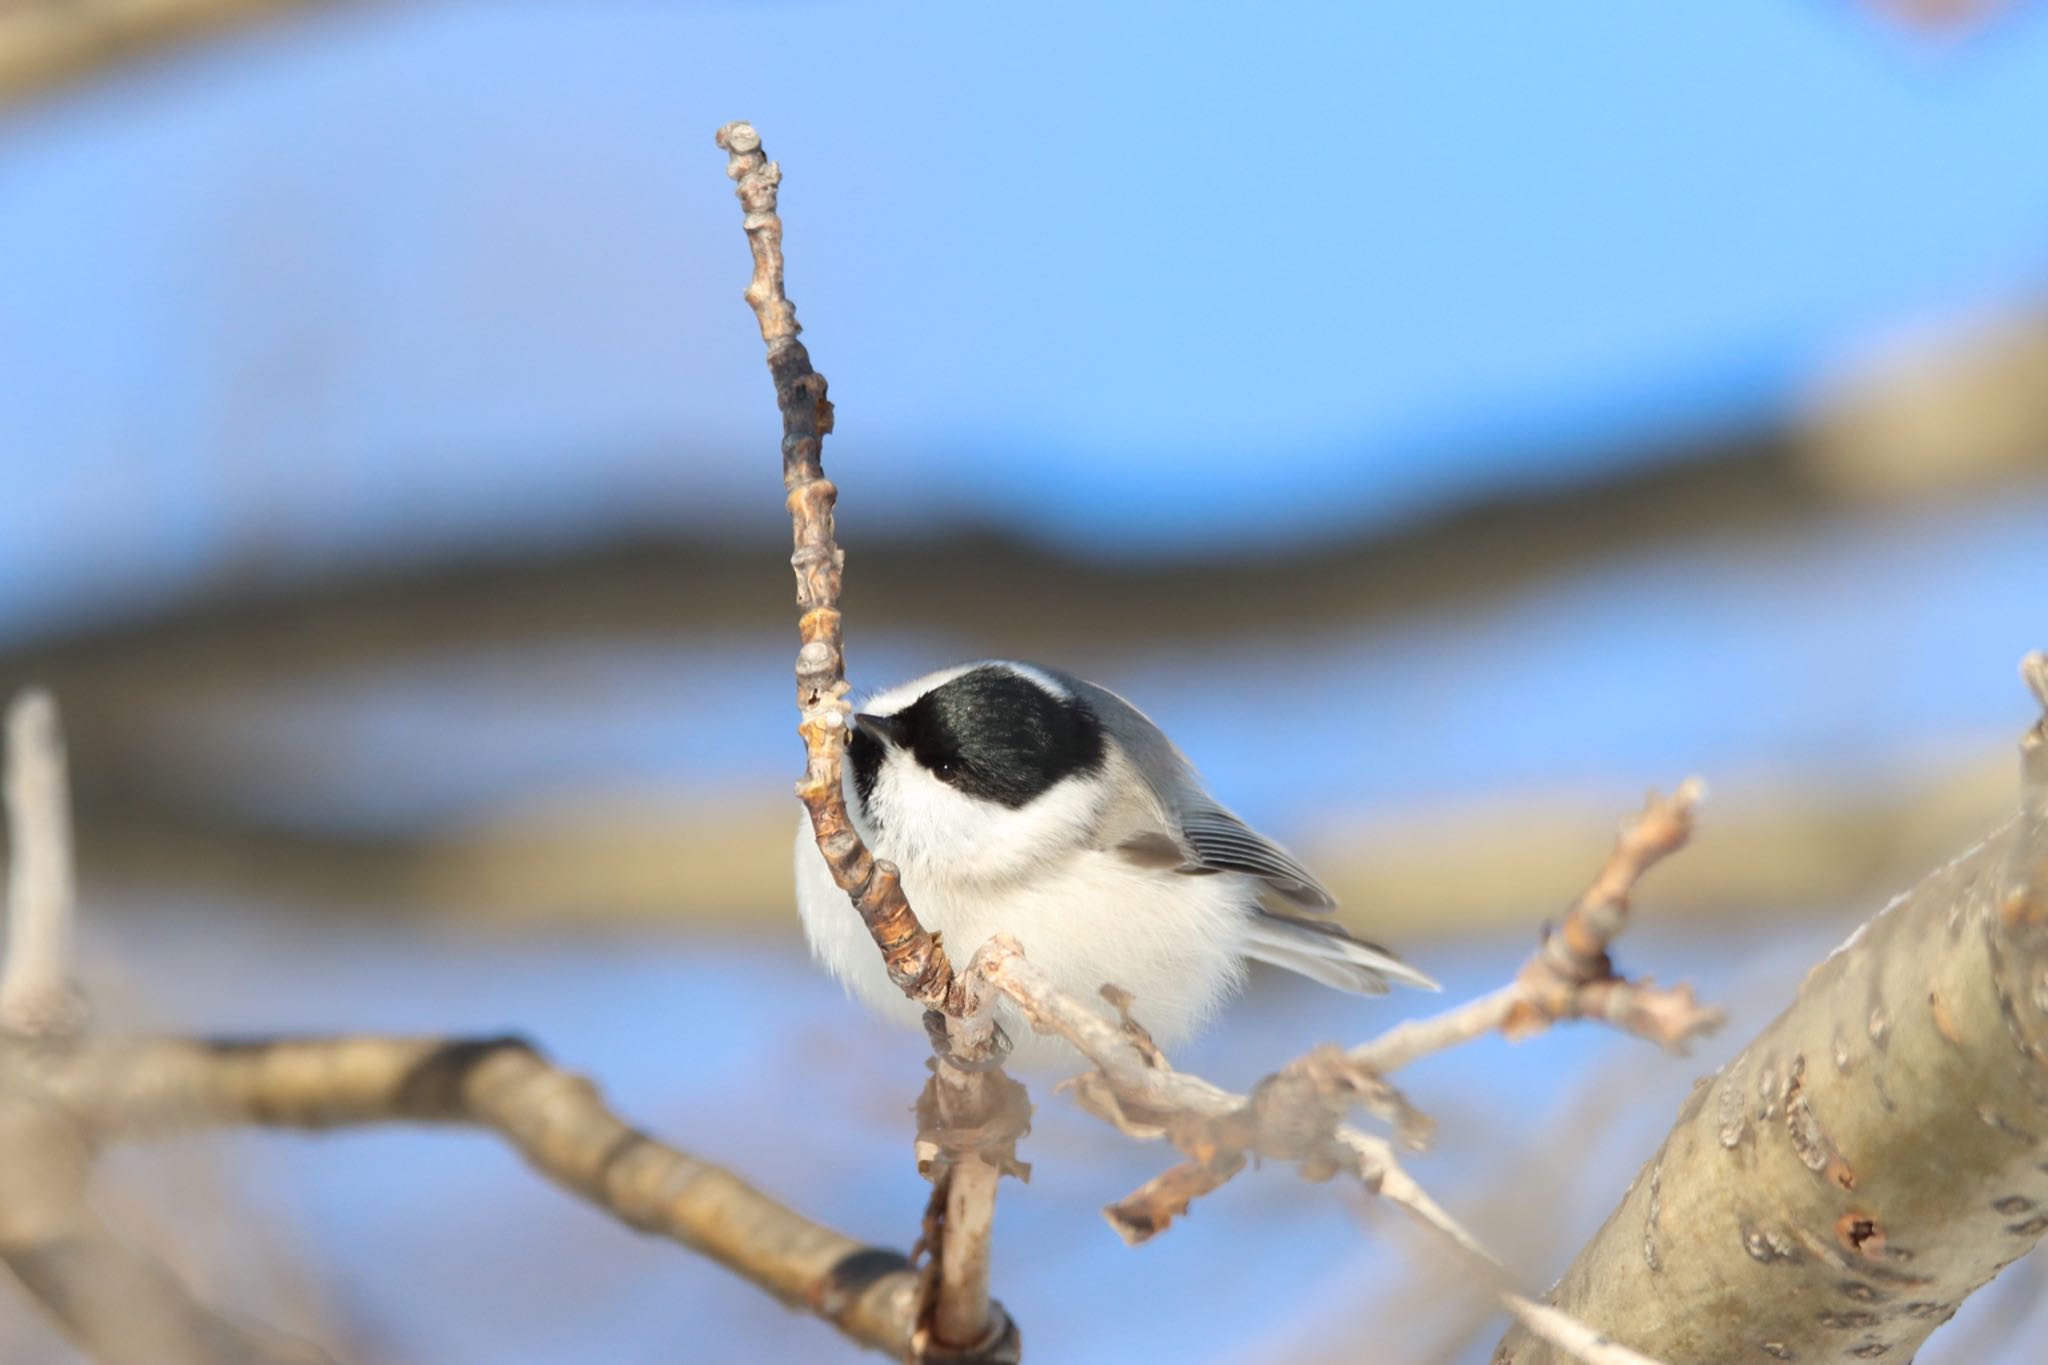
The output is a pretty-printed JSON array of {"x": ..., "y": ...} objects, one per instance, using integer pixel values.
[
  {"x": 48, "y": 44},
  {"x": 1922, "y": 397},
  {"x": 129, "y": 1089},
  {"x": 37, "y": 997},
  {"x": 63, "y": 1098},
  {"x": 117, "y": 1304}
]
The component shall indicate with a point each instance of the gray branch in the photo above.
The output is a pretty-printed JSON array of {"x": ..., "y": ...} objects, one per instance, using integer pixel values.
[{"x": 1874, "y": 1156}]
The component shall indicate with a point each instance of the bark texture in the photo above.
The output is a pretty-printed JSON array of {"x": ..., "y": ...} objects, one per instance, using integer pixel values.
[{"x": 1874, "y": 1156}]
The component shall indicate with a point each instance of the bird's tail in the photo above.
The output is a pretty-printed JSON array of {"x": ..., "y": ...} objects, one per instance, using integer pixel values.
[{"x": 1323, "y": 951}]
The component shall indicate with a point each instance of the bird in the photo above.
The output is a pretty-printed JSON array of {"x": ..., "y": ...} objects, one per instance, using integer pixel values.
[{"x": 1018, "y": 799}]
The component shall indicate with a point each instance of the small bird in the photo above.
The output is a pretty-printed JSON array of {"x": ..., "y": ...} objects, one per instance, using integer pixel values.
[{"x": 1018, "y": 799}]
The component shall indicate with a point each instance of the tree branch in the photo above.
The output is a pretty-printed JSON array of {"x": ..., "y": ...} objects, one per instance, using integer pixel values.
[
  {"x": 36, "y": 992},
  {"x": 117, "y": 1304},
  {"x": 1572, "y": 976},
  {"x": 46, "y": 43},
  {"x": 962, "y": 1323},
  {"x": 916, "y": 962},
  {"x": 120, "y": 1307},
  {"x": 1294, "y": 1116},
  {"x": 1872, "y": 1157},
  {"x": 63, "y": 1096},
  {"x": 128, "y": 1089},
  {"x": 1297, "y": 1114}
]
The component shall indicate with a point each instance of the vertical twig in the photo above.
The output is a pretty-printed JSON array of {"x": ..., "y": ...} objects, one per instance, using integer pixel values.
[
  {"x": 36, "y": 992},
  {"x": 916, "y": 962},
  {"x": 962, "y": 1323},
  {"x": 116, "y": 1303},
  {"x": 961, "y": 1312},
  {"x": 971, "y": 1116}
]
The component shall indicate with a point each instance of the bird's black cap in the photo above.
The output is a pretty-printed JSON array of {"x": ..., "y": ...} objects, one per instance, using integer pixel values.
[{"x": 992, "y": 732}]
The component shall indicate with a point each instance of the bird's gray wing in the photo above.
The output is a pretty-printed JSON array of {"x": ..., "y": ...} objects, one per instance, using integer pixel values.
[
  {"x": 1206, "y": 836},
  {"x": 1225, "y": 843}
]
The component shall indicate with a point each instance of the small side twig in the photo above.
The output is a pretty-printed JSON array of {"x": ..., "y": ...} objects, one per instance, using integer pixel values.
[
  {"x": 1568, "y": 1334},
  {"x": 1297, "y": 1114},
  {"x": 1571, "y": 975},
  {"x": 1294, "y": 1116},
  {"x": 36, "y": 992}
]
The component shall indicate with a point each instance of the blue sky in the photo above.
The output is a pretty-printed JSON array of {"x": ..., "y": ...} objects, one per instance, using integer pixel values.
[{"x": 414, "y": 280}]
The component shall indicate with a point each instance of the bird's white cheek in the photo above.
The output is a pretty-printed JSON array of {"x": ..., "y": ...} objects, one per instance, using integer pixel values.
[
  {"x": 918, "y": 820},
  {"x": 928, "y": 828}
]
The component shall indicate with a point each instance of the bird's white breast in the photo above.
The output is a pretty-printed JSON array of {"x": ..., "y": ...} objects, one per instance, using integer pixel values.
[{"x": 1087, "y": 919}]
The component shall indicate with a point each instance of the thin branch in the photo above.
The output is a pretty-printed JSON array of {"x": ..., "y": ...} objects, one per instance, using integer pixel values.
[
  {"x": 1296, "y": 1115},
  {"x": 128, "y": 1089},
  {"x": 1293, "y": 1116},
  {"x": 1412, "y": 1039},
  {"x": 2034, "y": 743},
  {"x": 36, "y": 992},
  {"x": 1571, "y": 975},
  {"x": 961, "y": 1320},
  {"x": 916, "y": 962},
  {"x": 1569, "y": 1335},
  {"x": 968, "y": 1193},
  {"x": 970, "y": 1119}
]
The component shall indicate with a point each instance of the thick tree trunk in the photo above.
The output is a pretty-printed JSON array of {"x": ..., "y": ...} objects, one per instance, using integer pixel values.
[{"x": 1876, "y": 1154}]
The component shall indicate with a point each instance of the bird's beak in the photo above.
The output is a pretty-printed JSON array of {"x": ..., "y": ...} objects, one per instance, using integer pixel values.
[{"x": 888, "y": 729}]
